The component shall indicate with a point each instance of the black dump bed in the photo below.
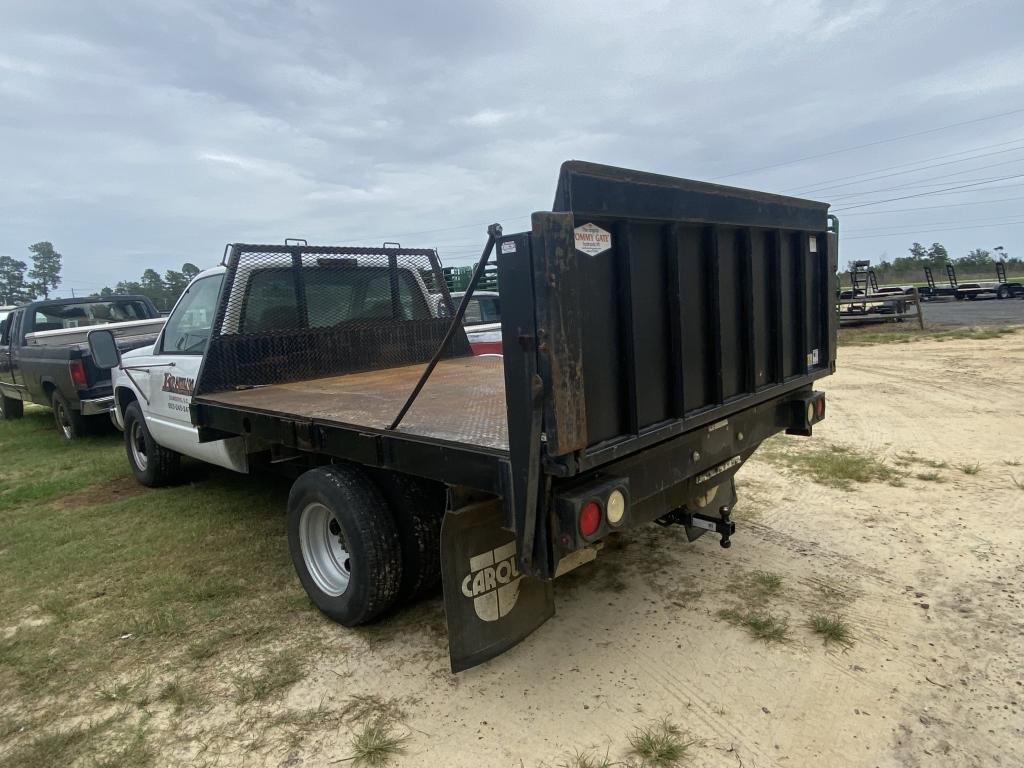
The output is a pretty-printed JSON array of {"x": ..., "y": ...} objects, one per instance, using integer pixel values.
[{"x": 638, "y": 315}]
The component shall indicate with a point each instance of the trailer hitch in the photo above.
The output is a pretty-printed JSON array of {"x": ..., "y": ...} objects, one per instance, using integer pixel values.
[{"x": 722, "y": 525}]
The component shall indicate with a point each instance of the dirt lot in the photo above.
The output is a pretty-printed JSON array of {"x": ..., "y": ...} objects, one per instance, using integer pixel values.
[{"x": 901, "y": 522}]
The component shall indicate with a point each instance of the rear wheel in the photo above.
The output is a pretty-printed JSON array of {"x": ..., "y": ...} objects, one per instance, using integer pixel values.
[
  {"x": 151, "y": 463},
  {"x": 10, "y": 408},
  {"x": 70, "y": 423},
  {"x": 1004, "y": 292},
  {"x": 344, "y": 544},
  {"x": 418, "y": 507}
]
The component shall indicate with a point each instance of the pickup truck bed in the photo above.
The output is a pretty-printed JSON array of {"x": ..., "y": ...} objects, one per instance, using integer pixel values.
[{"x": 463, "y": 401}]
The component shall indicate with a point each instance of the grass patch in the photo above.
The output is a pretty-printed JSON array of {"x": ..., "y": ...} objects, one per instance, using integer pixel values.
[
  {"x": 276, "y": 675},
  {"x": 932, "y": 477},
  {"x": 834, "y": 465},
  {"x": 183, "y": 695},
  {"x": 832, "y": 629},
  {"x": 766, "y": 582},
  {"x": 587, "y": 760},
  {"x": 377, "y": 743},
  {"x": 115, "y": 598},
  {"x": 761, "y": 625},
  {"x": 870, "y": 335},
  {"x": 659, "y": 745},
  {"x": 970, "y": 469},
  {"x": 365, "y": 708}
]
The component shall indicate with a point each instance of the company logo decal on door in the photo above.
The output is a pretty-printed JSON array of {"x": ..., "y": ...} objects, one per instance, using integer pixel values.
[
  {"x": 179, "y": 385},
  {"x": 493, "y": 582}
]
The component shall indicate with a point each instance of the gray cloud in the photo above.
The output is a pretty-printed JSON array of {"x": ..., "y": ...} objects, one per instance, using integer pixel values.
[{"x": 147, "y": 134}]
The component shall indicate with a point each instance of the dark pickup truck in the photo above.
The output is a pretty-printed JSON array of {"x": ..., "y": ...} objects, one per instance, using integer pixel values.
[
  {"x": 44, "y": 355},
  {"x": 654, "y": 331}
]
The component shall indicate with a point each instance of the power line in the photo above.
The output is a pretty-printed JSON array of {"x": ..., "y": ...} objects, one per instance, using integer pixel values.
[
  {"x": 824, "y": 187},
  {"x": 871, "y": 144},
  {"x": 918, "y": 225},
  {"x": 935, "y": 207},
  {"x": 933, "y": 192},
  {"x": 931, "y": 181},
  {"x": 941, "y": 229},
  {"x": 797, "y": 189}
]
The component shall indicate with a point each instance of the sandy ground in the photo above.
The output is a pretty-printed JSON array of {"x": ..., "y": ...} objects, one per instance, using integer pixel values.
[{"x": 929, "y": 575}]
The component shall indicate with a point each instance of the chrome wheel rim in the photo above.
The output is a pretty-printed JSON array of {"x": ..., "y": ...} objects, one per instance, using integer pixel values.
[
  {"x": 324, "y": 550},
  {"x": 62, "y": 420},
  {"x": 137, "y": 443}
]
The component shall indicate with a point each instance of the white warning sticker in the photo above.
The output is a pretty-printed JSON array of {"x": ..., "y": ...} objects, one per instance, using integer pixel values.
[
  {"x": 509, "y": 246},
  {"x": 592, "y": 240},
  {"x": 814, "y": 244}
]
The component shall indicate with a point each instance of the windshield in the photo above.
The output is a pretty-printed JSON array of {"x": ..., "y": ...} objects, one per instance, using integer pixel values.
[{"x": 88, "y": 313}]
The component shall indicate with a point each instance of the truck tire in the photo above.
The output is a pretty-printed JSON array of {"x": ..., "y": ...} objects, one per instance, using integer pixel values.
[
  {"x": 344, "y": 544},
  {"x": 151, "y": 463},
  {"x": 11, "y": 408},
  {"x": 1004, "y": 292},
  {"x": 70, "y": 423},
  {"x": 418, "y": 508}
]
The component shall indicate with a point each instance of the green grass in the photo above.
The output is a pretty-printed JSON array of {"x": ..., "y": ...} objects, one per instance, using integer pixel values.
[
  {"x": 270, "y": 679},
  {"x": 120, "y": 603},
  {"x": 761, "y": 625},
  {"x": 831, "y": 628},
  {"x": 870, "y": 335},
  {"x": 587, "y": 760},
  {"x": 970, "y": 469},
  {"x": 376, "y": 743},
  {"x": 658, "y": 745},
  {"x": 834, "y": 465},
  {"x": 766, "y": 581}
]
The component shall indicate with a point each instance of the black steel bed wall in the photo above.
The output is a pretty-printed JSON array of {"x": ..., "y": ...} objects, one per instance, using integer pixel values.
[{"x": 696, "y": 307}]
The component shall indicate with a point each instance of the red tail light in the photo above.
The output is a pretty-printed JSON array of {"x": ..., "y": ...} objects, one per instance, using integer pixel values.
[
  {"x": 820, "y": 407},
  {"x": 77, "y": 369},
  {"x": 590, "y": 519}
]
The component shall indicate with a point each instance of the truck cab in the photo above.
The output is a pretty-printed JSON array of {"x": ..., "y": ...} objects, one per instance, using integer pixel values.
[
  {"x": 44, "y": 355},
  {"x": 160, "y": 378}
]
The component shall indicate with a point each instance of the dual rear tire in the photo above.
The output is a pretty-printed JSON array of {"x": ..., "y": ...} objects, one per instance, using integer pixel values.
[{"x": 363, "y": 544}]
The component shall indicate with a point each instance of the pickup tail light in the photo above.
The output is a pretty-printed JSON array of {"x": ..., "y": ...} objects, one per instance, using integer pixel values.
[
  {"x": 78, "y": 377},
  {"x": 590, "y": 512},
  {"x": 590, "y": 519}
]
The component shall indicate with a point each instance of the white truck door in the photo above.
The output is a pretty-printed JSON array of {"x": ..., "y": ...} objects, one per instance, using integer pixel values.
[{"x": 177, "y": 355}]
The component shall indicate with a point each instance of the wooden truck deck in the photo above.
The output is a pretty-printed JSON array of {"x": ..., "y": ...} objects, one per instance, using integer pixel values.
[{"x": 462, "y": 402}]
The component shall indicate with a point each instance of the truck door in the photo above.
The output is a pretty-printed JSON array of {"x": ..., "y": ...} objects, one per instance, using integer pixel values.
[
  {"x": 174, "y": 366},
  {"x": 7, "y": 346},
  {"x": 16, "y": 324}
]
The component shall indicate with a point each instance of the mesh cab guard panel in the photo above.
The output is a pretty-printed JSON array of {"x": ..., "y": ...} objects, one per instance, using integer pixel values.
[{"x": 295, "y": 312}]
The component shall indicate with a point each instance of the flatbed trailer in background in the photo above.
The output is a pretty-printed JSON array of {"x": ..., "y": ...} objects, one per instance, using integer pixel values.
[{"x": 654, "y": 332}]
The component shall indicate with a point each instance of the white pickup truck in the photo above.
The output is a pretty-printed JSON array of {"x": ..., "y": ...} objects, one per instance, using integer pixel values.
[{"x": 154, "y": 384}]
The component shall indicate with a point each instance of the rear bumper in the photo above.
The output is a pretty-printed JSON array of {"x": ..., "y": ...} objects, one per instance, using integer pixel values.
[{"x": 97, "y": 405}]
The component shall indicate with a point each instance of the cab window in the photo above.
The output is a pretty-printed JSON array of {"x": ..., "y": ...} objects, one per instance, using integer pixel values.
[{"x": 188, "y": 328}]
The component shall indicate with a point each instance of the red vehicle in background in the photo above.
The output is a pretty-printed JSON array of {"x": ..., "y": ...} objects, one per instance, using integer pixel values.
[{"x": 482, "y": 321}]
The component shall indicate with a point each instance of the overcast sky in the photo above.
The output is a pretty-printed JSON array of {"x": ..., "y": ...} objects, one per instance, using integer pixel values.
[{"x": 151, "y": 133}]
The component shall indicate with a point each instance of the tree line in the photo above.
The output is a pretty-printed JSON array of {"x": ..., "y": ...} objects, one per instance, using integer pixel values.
[
  {"x": 163, "y": 291},
  {"x": 19, "y": 282},
  {"x": 978, "y": 261}
]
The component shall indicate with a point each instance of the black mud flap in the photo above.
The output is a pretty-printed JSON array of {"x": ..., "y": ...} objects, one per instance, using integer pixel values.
[{"x": 489, "y": 605}]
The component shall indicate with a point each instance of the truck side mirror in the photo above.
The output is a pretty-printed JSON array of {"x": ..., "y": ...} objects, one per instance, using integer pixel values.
[{"x": 103, "y": 349}]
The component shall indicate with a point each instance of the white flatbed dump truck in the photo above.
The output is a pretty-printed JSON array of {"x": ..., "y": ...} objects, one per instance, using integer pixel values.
[{"x": 654, "y": 332}]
